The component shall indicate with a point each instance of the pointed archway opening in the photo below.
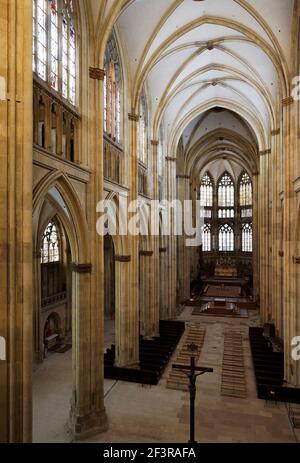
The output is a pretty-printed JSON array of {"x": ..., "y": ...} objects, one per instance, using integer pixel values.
[{"x": 109, "y": 291}]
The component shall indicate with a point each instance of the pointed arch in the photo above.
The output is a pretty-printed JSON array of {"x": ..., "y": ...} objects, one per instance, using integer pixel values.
[{"x": 70, "y": 212}]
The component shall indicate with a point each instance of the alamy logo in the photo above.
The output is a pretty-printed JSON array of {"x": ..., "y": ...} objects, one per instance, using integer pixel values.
[
  {"x": 2, "y": 348},
  {"x": 296, "y": 348},
  {"x": 153, "y": 218}
]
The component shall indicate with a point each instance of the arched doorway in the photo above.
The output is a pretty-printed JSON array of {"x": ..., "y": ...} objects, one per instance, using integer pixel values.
[
  {"x": 55, "y": 200},
  {"x": 52, "y": 329},
  {"x": 56, "y": 289},
  {"x": 109, "y": 290}
]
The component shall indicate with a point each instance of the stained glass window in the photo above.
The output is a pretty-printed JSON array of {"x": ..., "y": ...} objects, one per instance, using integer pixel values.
[
  {"x": 54, "y": 45},
  {"x": 50, "y": 245},
  {"x": 206, "y": 191},
  {"x": 226, "y": 213},
  {"x": 34, "y": 34},
  {"x": 112, "y": 91},
  {"x": 246, "y": 212},
  {"x": 226, "y": 191},
  {"x": 206, "y": 238},
  {"x": 41, "y": 38},
  {"x": 226, "y": 238},
  {"x": 245, "y": 190},
  {"x": 247, "y": 237}
]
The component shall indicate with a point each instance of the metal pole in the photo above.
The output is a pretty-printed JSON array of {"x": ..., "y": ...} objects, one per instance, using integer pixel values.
[{"x": 192, "y": 401}]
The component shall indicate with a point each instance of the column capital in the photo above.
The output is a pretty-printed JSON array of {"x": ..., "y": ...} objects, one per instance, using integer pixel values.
[
  {"x": 263, "y": 153},
  {"x": 119, "y": 258},
  {"x": 169, "y": 158},
  {"x": 154, "y": 142},
  {"x": 96, "y": 73},
  {"x": 186, "y": 177},
  {"x": 296, "y": 259},
  {"x": 81, "y": 268},
  {"x": 287, "y": 101},
  {"x": 280, "y": 253},
  {"x": 255, "y": 174},
  {"x": 146, "y": 253},
  {"x": 162, "y": 249},
  {"x": 275, "y": 132},
  {"x": 133, "y": 117}
]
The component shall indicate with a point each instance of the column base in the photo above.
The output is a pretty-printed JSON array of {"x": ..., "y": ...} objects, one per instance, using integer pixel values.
[
  {"x": 83, "y": 427},
  {"x": 151, "y": 337},
  {"x": 133, "y": 366}
]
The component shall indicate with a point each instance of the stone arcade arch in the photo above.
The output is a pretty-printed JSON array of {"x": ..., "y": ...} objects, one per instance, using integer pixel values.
[{"x": 55, "y": 194}]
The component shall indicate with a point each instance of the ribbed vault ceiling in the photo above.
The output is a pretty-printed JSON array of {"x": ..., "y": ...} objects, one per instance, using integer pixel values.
[{"x": 192, "y": 56}]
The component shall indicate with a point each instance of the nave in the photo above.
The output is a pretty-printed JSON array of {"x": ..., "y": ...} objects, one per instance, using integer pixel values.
[
  {"x": 154, "y": 414},
  {"x": 175, "y": 103}
]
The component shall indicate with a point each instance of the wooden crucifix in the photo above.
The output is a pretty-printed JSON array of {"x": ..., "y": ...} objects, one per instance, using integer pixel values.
[{"x": 191, "y": 372}]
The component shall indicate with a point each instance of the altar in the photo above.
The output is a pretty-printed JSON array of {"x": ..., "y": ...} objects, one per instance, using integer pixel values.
[{"x": 223, "y": 270}]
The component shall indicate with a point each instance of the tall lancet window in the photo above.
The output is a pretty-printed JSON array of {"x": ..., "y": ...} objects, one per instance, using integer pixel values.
[
  {"x": 226, "y": 238},
  {"x": 112, "y": 91},
  {"x": 226, "y": 196},
  {"x": 246, "y": 197},
  {"x": 247, "y": 237},
  {"x": 206, "y": 191},
  {"x": 40, "y": 15},
  {"x": 54, "y": 45},
  {"x": 143, "y": 129},
  {"x": 206, "y": 238},
  {"x": 50, "y": 251},
  {"x": 206, "y": 196},
  {"x": 226, "y": 191}
]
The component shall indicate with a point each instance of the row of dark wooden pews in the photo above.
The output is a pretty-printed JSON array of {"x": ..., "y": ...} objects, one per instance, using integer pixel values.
[
  {"x": 269, "y": 370},
  {"x": 154, "y": 356}
]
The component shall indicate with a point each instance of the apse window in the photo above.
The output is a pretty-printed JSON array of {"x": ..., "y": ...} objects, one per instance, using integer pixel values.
[
  {"x": 247, "y": 237},
  {"x": 226, "y": 238},
  {"x": 226, "y": 191},
  {"x": 206, "y": 238}
]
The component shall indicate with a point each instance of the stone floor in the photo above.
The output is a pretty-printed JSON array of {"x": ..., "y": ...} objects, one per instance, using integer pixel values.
[{"x": 156, "y": 414}]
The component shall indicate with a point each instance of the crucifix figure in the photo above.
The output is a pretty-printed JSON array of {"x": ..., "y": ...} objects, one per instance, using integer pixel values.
[{"x": 191, "y": 372}]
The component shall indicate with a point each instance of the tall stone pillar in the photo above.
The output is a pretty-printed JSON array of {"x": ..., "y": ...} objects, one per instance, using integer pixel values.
[
  {"x": 127, "y": 317},
  {"x": 264, "y": 235},
  {"x": 127, "y": 273},
  {"x": 149, "y": 278},
  {"x": 256, "y": 238},
  {"x": 183, "y": 251},
  {"x": 88, "y": 414},
  {"x": 16, "y": 221},
  {"x": 169, "y": 262},
  {"x": 155, "y": 259},
  {"x": 291, "y": 229},
  {"x": 149, "y": 317},
  {"x": 276, "y": 232}
]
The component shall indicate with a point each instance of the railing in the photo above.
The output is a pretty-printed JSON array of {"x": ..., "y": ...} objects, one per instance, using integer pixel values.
[
  {"x": 55, "y": 299},
  {"x": 113, "y": 162}
]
